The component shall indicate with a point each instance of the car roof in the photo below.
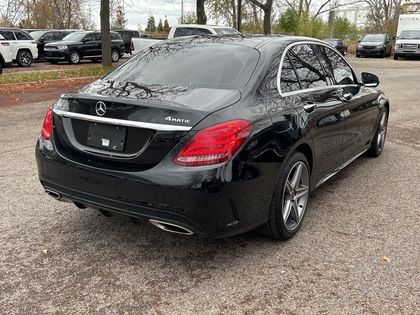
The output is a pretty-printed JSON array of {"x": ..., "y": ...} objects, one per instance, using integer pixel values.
[
  {"x": 13, "y": 29},
  {"x": 270, "y": 42},
  {"x": 201, "y": 26}
]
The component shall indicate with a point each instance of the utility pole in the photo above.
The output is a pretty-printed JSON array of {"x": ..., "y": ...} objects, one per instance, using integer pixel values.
[
  {"x": 182, "y": 11},
  {"x": 239, "y": 15}
]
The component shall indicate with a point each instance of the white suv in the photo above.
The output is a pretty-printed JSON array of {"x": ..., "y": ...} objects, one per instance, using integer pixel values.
[
  {"x": 23, "y": 46},
  {"x": 5, "y": 54}
]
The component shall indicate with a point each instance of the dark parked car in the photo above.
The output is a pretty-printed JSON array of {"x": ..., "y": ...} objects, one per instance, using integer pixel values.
[
  {"x": 213, "y": 148},
  {"x": 126, "y": 36},
  {"x": 82, "y": 45},
  {"x": 48, "y": 36},
  {"x": 374, "y": 45},
  {"x": 338, "y": 44}
]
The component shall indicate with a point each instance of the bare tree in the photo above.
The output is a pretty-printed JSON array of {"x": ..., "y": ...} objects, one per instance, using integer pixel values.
[
  {"x": 383, "y": 15},
  {"x": 267, "y": 8},
  {"x": 201, "y": 14},
  {"x": 105, "y": 34},
  {"x": 45, "y": 13},
  {"x": 316, "y": 8}
]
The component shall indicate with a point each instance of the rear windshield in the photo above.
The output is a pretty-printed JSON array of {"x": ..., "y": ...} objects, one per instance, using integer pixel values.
[
  {"x": 219, "y": 66},
  {"x": 226, "y": 31}
]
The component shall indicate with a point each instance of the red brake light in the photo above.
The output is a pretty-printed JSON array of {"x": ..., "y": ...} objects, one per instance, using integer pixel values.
[
  {"x": 215, "y": 144},
  {"x": 5, "y": 43},
  {"x": 47, "y": 127}
]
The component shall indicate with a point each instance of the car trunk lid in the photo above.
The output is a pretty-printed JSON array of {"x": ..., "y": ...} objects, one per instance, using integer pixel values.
[{"x": 125, "y": 126}]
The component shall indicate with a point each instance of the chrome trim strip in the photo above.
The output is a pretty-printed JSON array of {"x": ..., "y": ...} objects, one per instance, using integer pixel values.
[
  {"x": 121, "y": 122},
  {"x": 337, "y": 170}
]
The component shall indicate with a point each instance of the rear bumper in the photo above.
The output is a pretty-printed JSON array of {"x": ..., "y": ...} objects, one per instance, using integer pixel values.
[{"x": 213, "y": 202}]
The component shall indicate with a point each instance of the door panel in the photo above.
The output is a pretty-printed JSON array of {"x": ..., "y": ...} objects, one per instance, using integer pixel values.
[
  {"x": 306, "y": 86},
  {"x": 322, "y": 112}
]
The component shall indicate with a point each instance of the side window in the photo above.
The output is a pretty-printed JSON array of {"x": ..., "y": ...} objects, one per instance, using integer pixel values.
[
  {"x": 201, "y": 31},
  {"x": 337, "y": 66},
  {"x": 306, "y": 67},
  {"x": 60, "y": 35},
  {"x": 97, "y": 37},
  {"x": 181, "y": 31},
  {"x": 48, "y": 37},
  {"x": 115, "y": 36},
  {"x": 22, "y": 36},
  {"x": 288, "y": 78},
  {"x": 8, "y": 35}
]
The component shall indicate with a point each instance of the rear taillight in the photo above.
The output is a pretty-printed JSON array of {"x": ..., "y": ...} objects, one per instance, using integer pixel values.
[
  {"x": 131, "y": 46},
  {"x": 5, "y": 43},
  {"x": 47, "y": 126},
  {"x": 215, "y": 144}
]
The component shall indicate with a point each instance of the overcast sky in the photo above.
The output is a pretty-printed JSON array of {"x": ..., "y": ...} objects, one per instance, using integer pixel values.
[{"x": 138, "y": 11}]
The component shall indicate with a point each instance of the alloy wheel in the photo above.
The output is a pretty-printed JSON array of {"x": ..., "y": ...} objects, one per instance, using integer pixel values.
[
  {"x": 382, "y": 130},
  {"x": 295, "y": 195}
]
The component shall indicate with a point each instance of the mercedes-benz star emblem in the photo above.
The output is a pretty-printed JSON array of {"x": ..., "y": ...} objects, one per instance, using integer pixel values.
[{"x": 100, "y": 108}]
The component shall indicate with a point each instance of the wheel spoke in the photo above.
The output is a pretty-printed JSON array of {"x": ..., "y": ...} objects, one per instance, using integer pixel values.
[
  {"x": 296, "y": 176},
  {"x": 302, "y": 191},
  {"x": 382, "y": 130},
  {"x": 287, "y": 209},
  {"x": 295, "y": 213},
  {"x": 295, "y": 195}
]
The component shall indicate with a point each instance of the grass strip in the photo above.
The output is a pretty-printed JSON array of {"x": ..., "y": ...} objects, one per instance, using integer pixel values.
[{"x": 45, "y": 75}]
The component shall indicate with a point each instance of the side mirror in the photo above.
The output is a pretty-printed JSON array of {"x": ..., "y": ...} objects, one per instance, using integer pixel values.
[{"x": 370, "y": 79}]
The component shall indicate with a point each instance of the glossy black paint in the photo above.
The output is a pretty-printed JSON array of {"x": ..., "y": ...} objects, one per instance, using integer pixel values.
[{"x": 331, "y": 125}]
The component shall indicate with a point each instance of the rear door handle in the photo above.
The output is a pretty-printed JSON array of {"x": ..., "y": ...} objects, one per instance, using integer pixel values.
[
  {"x": 309, "y": 107},
  {"x": 346, "y": 96}
]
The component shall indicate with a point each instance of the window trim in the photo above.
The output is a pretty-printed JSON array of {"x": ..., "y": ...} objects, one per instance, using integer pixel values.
[{"x": 314, "y": 89}]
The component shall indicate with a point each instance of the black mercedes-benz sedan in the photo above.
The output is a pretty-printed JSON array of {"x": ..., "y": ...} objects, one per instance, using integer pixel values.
[{"x": 213, "y": 136}]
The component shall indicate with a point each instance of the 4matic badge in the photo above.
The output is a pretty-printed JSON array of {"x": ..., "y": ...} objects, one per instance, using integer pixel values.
[{"x": 178, "y": 120}]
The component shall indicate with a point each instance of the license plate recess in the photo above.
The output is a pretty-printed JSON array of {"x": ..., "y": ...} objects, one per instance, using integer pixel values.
[{"x": 108, "y": 137}]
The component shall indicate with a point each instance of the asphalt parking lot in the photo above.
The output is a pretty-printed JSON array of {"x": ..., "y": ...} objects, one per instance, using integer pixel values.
[{"x": 356, "y": 253}]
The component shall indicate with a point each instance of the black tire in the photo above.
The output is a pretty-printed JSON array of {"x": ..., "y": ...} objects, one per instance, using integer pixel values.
[
  {"x": 290, "y": 199},
  {"x": 357, "y": 55},
  {"x": 115, "y": 55},
  {"x": 395, "y": 57},
  {"x": 1, "y": 68},
  {"x": 74, "y": 57},
  {"x": 24, "y": 58},
  {"x": 378, "y": 142}
]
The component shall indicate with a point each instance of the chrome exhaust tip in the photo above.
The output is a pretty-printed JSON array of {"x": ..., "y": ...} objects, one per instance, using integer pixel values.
[
  {"x": 170, "y": 227},
  {"x": 53, "y": 194}
]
